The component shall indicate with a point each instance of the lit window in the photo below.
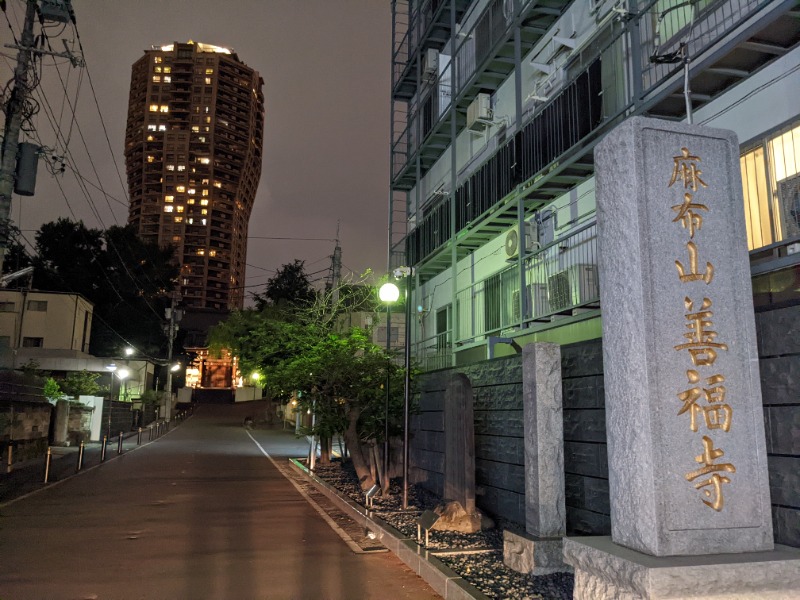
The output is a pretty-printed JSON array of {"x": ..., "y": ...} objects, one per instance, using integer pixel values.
[
  {"x": 167, "y": 79},
  {"x": 202, "y": 138},
  {"x": 156, "y": 78},
  {"x": 150, "y": 138},
  {"x": 169, "y": 209},
  {"x": 201, "y": 252},
  {"x": 207, "y": 119},
  {"x": 218, "y": 184},
  {"x": 208, "y": 80},
  {"x": 205, "y": 182},
  {"x": 179, "y": 219},
  {"x": 151, "y": 158},
  {"x": 179, "y": 208},
  {"x": 209, "y": 71},
  {"x": 157, "y": 70},
  {"x": 169, "y": 198},
  {"x": 181, "y": 167},
  {"x": 204, "y": 202},
  {"x": 204, "y": 211},
  {"x": 207, "y": 128},
  {"x": 190, "y": 220},
  {"x": 205, "y": 222},
  {"x": 164, "y": 108},
  {"x": 207, "y": 109},
  {"x": 167, "y": 69},
  {"x": 205, "y": 161},
  {"x": 195, "y": 128},
  {"x": 190, "y": 191},
  {"x": 190, "y": 201},
  {"x": 211, "y": 252},
  {"x": 157, "y": 59},
  {"x": 151, "y": 127},
  {"x": 162, "y": 127},
  {"x": 176, "y": 238},
  {"x": 180, "y": 188},
  {"x": 154, "y": 108},
  {"x": 170, "y": 167},
  {"x": 205, "y": 192}
]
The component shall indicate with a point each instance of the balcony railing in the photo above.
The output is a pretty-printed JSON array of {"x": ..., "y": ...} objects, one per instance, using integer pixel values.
[{"x": 560, "y": 279}]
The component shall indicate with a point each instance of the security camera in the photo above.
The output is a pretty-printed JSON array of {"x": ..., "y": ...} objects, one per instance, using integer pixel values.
[{"x": 400, "y": 272}]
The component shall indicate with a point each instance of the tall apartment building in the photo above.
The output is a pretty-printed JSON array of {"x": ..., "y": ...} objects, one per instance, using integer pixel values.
[
  {"x": 193, "y": 147},
  {"x": 497, "y": 106}
]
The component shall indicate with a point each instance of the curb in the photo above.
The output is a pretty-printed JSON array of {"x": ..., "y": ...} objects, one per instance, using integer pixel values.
[{"x": 446, "y": 582}]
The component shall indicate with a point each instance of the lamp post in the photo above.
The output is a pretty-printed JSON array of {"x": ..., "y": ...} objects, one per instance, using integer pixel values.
[
  {"x": 111, "y": 368},
  {"x": 389, "y": 293},
  {"x": 407, "y": 271}
]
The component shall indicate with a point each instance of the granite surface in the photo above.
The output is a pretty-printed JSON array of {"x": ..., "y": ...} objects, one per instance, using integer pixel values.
[{"x": 686, "y": 446}]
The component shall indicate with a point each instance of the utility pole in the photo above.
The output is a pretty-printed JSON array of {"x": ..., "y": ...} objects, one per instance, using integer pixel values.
[
  {"x": 55, "y": 10},
  {"x": 14, "y": 108},
  {"x": 173, "y": 316}
]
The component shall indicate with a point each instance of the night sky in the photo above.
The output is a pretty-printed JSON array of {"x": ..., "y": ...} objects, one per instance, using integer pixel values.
[{"x": 326, "y": 67}]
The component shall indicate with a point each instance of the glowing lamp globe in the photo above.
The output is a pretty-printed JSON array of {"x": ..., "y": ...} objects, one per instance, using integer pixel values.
[{"x": 389, "y": 292}]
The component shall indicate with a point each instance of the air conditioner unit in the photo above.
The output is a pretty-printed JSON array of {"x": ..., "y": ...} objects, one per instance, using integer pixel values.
[
  {"x": 479, "y": 113},
  {"x": 430, "y": 64},
  {"x": 572, "y": 287},
  {"x": 512, "y": 245},
  {"x": 537, "y": 302}
]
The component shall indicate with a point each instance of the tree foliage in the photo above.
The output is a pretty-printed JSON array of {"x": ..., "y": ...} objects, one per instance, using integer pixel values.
[
  {"x": 334, "y": 370},
  {"x": 52, "y": 391},
  {"x": 125, "y": 278},
  {"x": 289, "y": 287},
  {"x": 80, "y": 383}
]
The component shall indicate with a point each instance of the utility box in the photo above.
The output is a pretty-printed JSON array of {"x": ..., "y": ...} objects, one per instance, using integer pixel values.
[{"x": 27, "y": 163}]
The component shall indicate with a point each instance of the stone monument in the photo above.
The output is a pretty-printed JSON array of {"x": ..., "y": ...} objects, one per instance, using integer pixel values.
[
  {"x": 538, "y": 552},
  {"x": 458, "y": 513},
  {"x": 687, "y": 456}
]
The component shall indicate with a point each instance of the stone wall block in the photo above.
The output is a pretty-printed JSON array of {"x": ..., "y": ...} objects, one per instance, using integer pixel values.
[
  {"x": 582, "y": 359},
  {"x": 784, "y": 426},
  {"x": 500, "y": 475},
  {"x": 778, "y": 331},
  {"x": 502, "y": 449},
  {"x": 784, "y": 480},
  {"x": 584, "y": 392},
  {"x": 581, "y": 458},
  {"x": 503, "y": 423},
  {"x": 507, "y": 396},
  {"x": 585, "y": 425},
  {"x": 780, "y": 379}
]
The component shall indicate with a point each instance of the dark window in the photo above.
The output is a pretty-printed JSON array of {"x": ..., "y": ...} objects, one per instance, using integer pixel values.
[
  {"x": 37, "y": 305},
  {"x": 32, "y": 342}
]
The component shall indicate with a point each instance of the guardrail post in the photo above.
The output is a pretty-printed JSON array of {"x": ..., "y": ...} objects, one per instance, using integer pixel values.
[
  {"x": 80, "y": 458},
  {"x": 47, "y": 465},
  {"x": 103, "y": 449},
  {"x": 10, "y": 464},
  {"x": 119, "y": 444},
  {"x": 139, "y": 437}
]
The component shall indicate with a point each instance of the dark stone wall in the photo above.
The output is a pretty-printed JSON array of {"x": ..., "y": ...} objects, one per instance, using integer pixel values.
[
  {"x": 499, "y": 454},
  {"x": 778, "y": 334}
]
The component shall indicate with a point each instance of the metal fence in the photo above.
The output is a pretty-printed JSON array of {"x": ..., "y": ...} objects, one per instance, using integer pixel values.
[{"x": 559, "y": 279}]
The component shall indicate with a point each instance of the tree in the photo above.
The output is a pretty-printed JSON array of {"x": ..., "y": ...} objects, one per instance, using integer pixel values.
[
  {"x": 125, "y": 278},
  {"x": 290, "y": 286},
  {"x": 51, "y": 390},
  {"x": 80, "y": 383},
  {"x": 338, "y": 371}
]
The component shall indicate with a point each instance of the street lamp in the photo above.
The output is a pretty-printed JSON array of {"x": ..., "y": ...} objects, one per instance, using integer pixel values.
[
  {"x": 389, "y": 293},
  {"x": 121, "y": 374}
]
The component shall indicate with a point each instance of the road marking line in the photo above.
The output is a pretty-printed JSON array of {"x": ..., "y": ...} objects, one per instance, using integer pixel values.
[{"x": 333, "y": 525}]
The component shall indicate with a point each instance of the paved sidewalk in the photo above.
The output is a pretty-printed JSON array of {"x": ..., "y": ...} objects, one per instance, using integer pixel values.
[{"x": 199, "y": 513}]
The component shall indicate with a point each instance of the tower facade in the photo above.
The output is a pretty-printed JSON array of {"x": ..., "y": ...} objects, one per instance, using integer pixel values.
[{"x": 193, "y": 147}]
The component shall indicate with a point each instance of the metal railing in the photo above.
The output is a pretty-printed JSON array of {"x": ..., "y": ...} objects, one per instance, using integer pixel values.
[
  {"x": 560, "y": 278},
  {"x": 434, "y": 352}
]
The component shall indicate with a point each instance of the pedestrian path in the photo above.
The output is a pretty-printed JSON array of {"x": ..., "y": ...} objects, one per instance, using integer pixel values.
[{"x": 199, "y": 513}]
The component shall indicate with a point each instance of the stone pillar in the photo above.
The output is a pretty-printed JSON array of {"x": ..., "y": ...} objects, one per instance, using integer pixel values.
[
  {"x": 686, "y": 448},
  {"x": 539, "y": 552},
  {"x": 459, "y": 439},
  {"x": 61, "y": 429}
]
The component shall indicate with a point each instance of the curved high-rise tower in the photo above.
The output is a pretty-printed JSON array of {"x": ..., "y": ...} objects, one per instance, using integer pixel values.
[{"x": 193, "y": 146}]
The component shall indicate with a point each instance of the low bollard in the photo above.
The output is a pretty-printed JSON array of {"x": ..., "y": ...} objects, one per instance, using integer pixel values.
[
  {"x": 10, "y": 464},
  {"x": 103, "y": 449},
  {"x": 119, "y": 444},
  {"x": 79, "y": 466},
  {"x": 139, "y": 437},
  {"x": 47, "y": 465}
]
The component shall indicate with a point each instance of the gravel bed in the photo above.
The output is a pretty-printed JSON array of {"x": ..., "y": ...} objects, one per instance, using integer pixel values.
[{"x": 485, "y": 571}]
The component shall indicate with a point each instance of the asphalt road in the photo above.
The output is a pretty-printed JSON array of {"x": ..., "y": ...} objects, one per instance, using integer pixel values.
[{"x": 198, "y": 513}]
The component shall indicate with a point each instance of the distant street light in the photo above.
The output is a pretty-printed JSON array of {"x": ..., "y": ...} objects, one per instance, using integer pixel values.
[
  {"x": 389, "y": 293},
  {"x": 129, "y": 351}
]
